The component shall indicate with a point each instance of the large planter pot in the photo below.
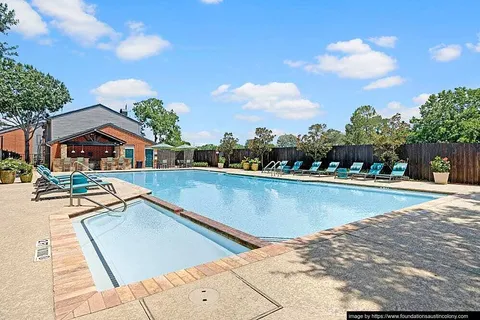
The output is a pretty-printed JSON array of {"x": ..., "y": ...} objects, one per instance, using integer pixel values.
[
  {"x": 441, "y": 177},
  {"x": 7, "y": 176},
  {"x": 26, "y": 178},
  {"x": 254, "y": 166},
  {"x": 220, "y": 165},
  {"x": 246, "y": 166}
]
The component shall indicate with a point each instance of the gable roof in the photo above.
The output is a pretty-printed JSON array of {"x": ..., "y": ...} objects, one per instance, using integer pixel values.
[
  {"x": 91, "y": 107},
  {"x": 98, "y": 129}
]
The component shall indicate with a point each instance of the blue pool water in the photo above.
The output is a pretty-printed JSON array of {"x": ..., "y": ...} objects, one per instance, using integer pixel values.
[
  {"x": 271, "y": 208},
  {"x": 144, "y": 242}
]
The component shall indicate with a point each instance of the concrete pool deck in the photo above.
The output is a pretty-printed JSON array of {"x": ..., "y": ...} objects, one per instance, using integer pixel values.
[{"x": 427, "y": 258}]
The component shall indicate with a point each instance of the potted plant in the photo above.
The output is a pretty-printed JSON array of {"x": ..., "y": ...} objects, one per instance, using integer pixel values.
[
  {"x": 254, "y": 164},
  {"x": 440, "y": 169},
  {"x": 25, "y": 171},
  {"x": 246, "y": 163},
  {"x": 221, "y": 162},
  {"x": 8, "y": 170}
]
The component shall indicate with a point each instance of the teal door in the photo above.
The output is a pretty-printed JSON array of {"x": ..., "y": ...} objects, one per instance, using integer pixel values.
[
  {"x": 148, "y": 158},
  {"x": 129, "y": 155}
]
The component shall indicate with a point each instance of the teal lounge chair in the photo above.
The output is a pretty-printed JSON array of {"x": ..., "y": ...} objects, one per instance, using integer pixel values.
[
  {"x": 332, "y": 167},
  {"x": 296, "y": 167},
  {"x": 375, "y": 170},
  {"x": 313, "y": 168},
  {"x": 341, "y": 173},
  {"x": 280, "y": 167},
  {"x": 398, "y": 172},
  {"x": 355, "y": 168}
]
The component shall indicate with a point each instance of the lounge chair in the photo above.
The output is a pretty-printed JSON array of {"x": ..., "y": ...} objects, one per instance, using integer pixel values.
[
  {"x": 398, "y": 172},
  {"x": 375, "y": 170},
  {"x": 313, "y": 168},
  {"x": 296, "y": 167},
  {"x": 80, "y": 186},
  {"x": 355, "y": 168},
  {"x": 332, "y": 167},
  {"x": 341, "y": 173},
  {"x": 279, "y": 168}
]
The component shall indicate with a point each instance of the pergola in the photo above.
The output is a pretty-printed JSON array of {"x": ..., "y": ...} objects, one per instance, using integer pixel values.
[{"x": 165, "y": 155}]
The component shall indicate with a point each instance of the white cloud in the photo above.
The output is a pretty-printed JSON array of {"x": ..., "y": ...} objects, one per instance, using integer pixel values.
[
  {"x": 284, "y": 100},
  {"x": 178, "y": 107},
  {"x": 200, "y": 138},
  {"x": 247, "y": 118},
  {"x": 351, "y": 46},
  {"x": 421, "y": 98},
  {"x": 385, "y": 41},
  {"x": 474, "y": 47},
  {"x": 117, "y": 93},
  {"x": 359, "y": 61},
  {"x": 445, "y": 53},
  {"x": 30, "y": 22},
  {"x": 211, "y": 1},
  {"x": 385, "y": 83},
  {"x": 395, "y": 107},
  {"x": 220, "y": 90},
  {"x": 294, "y": 64},
  {"x": 45, "y": 42},
  {"x": 136, "y": 26},
  {"x": 76, "y": 19},
  {"x": 140, "y": 46}
]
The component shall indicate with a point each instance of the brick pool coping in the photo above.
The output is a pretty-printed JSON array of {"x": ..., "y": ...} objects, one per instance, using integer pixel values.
[{"x": 75, "y": 293}]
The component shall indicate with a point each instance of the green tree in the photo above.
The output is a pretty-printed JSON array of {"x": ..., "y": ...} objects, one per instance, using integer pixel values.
[
  {"x": 363, "y": 125},
  {"x": 335, "y": 137},
  {"x": 262, "y": 143},
  {"x": 227, "y": 145},
  {"x": 208, "y": 146},
  {"x": 449, "y": 116},
  {"x": 27, "y": 96},
  {"x": 315, "y": 143},
  {"x": 163, "y": 123},
  {"x": 287, "y": 140},
  {"x": 7, "y": 19},
  {"x": 391, "y": 134}
]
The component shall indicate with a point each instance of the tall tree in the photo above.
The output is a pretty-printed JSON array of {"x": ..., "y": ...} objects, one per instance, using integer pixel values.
[
  {"x": 449, "y": 116},
  {"x": 208, "y": 146},
  {"x": 287, "y": 140},
  {"x": 391, "y": 134},
  {"x": 315, "y": 143},
  {"x": 27, "y": 96},
  {"x": 163, "y": 123},
  {"x": 262, "y": 143},
  {"x": 363, "y": 125},
  {"x": 335, "y": 137},
  {"x": 7, "y": 20},
  {"x": 227, "y": 145}
]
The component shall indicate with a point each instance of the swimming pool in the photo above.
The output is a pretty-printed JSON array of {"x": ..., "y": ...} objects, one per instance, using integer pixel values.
[
  {"x": 143, "y": 242},
  {"x": 271, "y": 209}
]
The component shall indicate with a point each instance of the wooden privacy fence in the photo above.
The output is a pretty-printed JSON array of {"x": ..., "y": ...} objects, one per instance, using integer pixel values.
[{"x": 464, "y": 157}]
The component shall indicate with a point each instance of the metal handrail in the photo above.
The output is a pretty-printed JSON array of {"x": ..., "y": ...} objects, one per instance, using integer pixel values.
[
  {"x": 266, "y": 167},
  {"x": 99, "y": 185},
  {"x": 275, "y": 167}
]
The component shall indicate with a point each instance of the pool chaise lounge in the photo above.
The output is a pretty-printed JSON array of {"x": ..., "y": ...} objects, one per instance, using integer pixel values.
[
  {"x": 332, "y": 167},
  {"x": 375, "y": 170},
  {"x": 280, "y": 167},
  {"x": 296, "y": 167},
  {"x": 398, "y": 172},
  {"x": 313, "y": 168},
  {"x": 343, "y": 173}
]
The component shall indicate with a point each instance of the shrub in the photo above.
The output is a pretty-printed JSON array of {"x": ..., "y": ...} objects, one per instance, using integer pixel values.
[
  {"x": 200, "y": 164},
  {"x": 10, "y": 165},
  {"x": 221, "y": 160},
  {"x": 24, "y": 168},
  {"x": 235, "y": 166},
  {"x": 440, "y": 164}
]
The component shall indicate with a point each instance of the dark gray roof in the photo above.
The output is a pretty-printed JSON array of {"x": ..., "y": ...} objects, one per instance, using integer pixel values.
[{"x": 91, "y": 107}]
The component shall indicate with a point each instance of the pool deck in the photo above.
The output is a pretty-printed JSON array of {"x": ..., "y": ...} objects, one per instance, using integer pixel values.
[{"x": 423, "y": 258}]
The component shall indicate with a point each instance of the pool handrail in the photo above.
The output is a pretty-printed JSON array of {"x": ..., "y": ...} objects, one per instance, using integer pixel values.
[
  {"x": 267, "y": 166},
  {"x": 93, "y": 201}
]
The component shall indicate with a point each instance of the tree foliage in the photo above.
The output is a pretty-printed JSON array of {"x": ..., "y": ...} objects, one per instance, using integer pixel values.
[
  {"x": 315, "y": 143},
  {"x": 391, "y": 134},
  {"x": 163, "y": 123},
  {"x": 287, "y": 140},
  {"x": 449, "y": 116},
  {"x": 363, "y": 125},
  {"x": 208, "y": 146},
  {"x": 227, "y": 145},
  {"x": 335, "y": 137},
  {"x": 7, "y": 20},
  {"x": 27, "y": 96},
  {"x": 262, "y": 143}
]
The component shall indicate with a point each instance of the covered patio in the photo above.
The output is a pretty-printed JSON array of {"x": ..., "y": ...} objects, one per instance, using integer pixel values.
[{"x": 92, "y": 149}]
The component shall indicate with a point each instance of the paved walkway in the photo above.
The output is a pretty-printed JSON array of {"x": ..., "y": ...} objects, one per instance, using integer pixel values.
[{"x": 426, "y": 259}]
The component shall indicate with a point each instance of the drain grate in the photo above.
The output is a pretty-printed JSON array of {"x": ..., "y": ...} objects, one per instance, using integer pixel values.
[
  {"x": 204, "y": 296},
  {"x": 43, "y": 250}
]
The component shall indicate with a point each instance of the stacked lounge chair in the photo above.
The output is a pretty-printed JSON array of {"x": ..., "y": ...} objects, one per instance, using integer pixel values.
[
  {"x": 398, "y": 172},
  {"x": 332, "y": 167},
  {"x": 296, "y": 167},
  {"x": 375, "y": 170}
]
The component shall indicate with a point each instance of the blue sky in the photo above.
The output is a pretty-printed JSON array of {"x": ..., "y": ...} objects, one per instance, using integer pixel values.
[{"x": 235, "y": 65}]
